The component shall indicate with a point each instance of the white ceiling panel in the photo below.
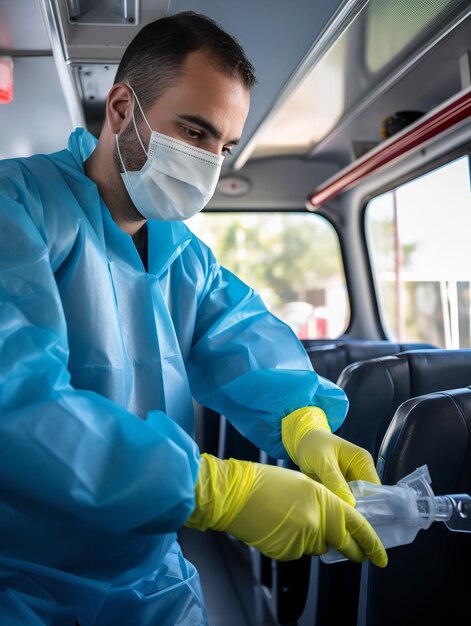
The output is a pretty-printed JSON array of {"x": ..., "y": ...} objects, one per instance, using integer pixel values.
[
  {"x": 22, "y": 26},
  {"x": 37, "y": 120}
]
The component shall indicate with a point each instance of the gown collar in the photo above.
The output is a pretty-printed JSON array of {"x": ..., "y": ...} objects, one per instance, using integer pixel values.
[{"x": 166, "y": 239}]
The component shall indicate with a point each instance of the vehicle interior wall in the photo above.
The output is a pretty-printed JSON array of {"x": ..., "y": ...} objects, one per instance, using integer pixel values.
[
  {"x": 366, "y": 320},
  {"x": 428, "y": 71},
  {"x": 37, "y": 119},
  {"x": 276, "y": 183}
]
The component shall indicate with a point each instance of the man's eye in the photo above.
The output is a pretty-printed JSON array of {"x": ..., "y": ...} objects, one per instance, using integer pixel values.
[
  {"x": 227, "y": 151},
  {"x": 192, "y": 134}
]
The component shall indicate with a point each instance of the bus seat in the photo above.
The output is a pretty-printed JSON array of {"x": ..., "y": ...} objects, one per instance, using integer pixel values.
[
  {"x": 428, "y": 581},
  {"x": 376, "y": 388},
  {"x": 331, "y": 359}
]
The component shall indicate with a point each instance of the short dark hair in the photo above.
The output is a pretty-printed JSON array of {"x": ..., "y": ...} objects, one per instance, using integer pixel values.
[{"x": 154, "y": 58}]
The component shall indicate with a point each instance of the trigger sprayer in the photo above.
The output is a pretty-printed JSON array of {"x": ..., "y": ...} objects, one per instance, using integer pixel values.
[{"x": 398, "y": 512}]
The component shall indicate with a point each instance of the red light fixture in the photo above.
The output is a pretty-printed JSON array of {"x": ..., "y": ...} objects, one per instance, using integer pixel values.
[{"x": 6, "y": 80}]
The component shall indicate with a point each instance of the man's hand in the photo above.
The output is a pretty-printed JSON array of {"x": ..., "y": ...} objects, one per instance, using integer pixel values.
[
  {"x": 280, "y": 511},
  {"x": 322, "y": 455}
]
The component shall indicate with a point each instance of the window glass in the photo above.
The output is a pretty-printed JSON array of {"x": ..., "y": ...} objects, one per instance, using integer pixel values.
[
  {"x": 418, "y": 236},
  {"x": 292, "y": 259}
]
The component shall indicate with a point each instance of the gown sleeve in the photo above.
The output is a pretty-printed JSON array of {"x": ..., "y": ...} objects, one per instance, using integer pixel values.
[
  {"x": 73, "y": 451},
  {"x": 249, "y": 366}
]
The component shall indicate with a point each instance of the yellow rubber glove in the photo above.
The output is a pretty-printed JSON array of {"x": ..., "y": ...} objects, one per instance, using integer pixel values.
[
  {"x": 279, "y": 511},
  {"x": 323, "y": 456}
]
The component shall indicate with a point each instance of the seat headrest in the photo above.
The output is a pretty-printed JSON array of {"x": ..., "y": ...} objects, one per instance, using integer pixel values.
[{"x": 434, "y": 429}]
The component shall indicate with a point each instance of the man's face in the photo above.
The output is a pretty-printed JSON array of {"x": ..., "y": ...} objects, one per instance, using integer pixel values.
[{"x": 205, "y": 108}]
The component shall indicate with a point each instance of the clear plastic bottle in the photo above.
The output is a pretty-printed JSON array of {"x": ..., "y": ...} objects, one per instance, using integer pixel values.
[{"x": 398, "y": 512}]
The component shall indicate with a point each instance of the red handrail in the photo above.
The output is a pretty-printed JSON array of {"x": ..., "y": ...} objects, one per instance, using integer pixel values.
[{"x": 416, "y": 135}]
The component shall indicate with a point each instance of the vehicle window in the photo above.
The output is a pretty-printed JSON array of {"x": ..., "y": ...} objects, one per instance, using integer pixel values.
[
  {"x": 418, "y": 237},
  {"x": 292, "y": 259}
]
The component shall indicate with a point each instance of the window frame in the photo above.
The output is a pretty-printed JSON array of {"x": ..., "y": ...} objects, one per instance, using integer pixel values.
[
  {"x": 394, "y": 183},
  {"x": 332, "y": 221}
]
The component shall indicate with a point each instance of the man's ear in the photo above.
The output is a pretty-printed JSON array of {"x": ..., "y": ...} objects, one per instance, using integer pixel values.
[{"x": 119, "y": 107}]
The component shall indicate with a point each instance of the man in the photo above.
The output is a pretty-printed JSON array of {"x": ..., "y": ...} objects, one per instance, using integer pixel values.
[{"x": 113, "y": 315}]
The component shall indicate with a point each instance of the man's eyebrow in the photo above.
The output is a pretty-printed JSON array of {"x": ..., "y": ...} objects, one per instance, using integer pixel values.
[{"x": 200, "y": 121}]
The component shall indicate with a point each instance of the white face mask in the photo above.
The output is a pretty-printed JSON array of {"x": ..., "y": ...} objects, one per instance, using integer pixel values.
[{"x": 175, "y": 182}]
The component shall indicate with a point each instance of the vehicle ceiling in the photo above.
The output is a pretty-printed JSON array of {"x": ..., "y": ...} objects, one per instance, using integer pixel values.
[{"x": 279, "y": 36}]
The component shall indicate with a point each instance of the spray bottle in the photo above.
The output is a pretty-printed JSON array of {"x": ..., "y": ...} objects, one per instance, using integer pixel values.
[{"x": 398, "y": 512}]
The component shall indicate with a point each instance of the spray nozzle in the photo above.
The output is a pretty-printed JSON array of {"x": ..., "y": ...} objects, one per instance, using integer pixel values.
[{"x": 398, "y": 512}]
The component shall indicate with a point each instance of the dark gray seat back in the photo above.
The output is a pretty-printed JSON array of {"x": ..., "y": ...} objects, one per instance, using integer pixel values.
[
  {"x": 376, "y": 388},
  {"x": 428, "y": 581},
  {"x": 331, "y": 359}
]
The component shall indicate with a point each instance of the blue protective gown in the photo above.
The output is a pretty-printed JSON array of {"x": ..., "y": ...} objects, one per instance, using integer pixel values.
[{"x": 99, "y": 360}]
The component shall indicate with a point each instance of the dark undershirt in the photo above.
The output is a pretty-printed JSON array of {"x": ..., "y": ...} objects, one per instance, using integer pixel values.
[{"x": 141, "y": 242}]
